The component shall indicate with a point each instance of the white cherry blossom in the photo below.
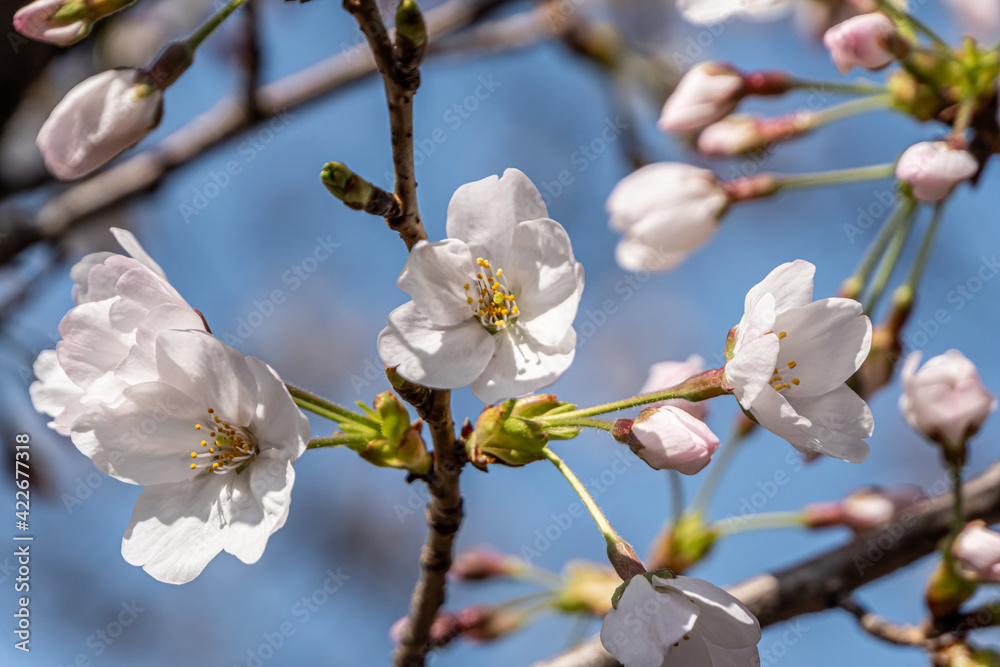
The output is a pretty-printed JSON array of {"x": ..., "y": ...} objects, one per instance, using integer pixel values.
[
  {"x": 791, "y": 358},
  {"x": 493, "y": 304},
  {"x": 212, "y": 435},
  {"x": 660, "y": 621}
]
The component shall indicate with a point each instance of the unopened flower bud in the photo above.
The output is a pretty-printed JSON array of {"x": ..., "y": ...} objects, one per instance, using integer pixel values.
[
  {"x": 399, "y": 444},
  {"x": 411, "y": 35},
  {"x": 947, "y": 591},
  {"x": 668, "y": 438},
  {"x": 933, "y": 169},
  {"x": 745, "y": 133},
  {"x": 977, "y": 552},
  {"x": 98, "y": 119},
  {"x": 345, "y": 185},
  {"x": 667, "y": 374},
  {"x": 478, "y": 623},
  {"x": 709, "y": 91},
  {"x": 685, "y": 544},
  {"x": 866, "y": 508},
  {"x": 63, "y": 22},
  {"x": 480, "y": 563},
  {"x": 945, "y": 400},
  {"x": 870, "y": 41},
  {"x": 588, "y": 588}
]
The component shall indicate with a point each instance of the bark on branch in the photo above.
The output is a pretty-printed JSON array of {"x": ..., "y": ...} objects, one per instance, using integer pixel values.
[{"x": 824, "y": 582}]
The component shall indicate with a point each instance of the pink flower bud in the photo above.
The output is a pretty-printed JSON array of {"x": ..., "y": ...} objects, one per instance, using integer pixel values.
[
  {"x": 667, "y": 374},
  {"x": 868, "y": 508},
  {"x": 53, "y": 21},
  {"x": 98, "y": 119},
  {"x": 481, "y": 563},
  {"x": 708, "y": 92},
  {"x": 945, "y": 399},
  {"x": 977, "y": 550},
  {"x": 934, "y": 168},
  {"x": 668, "y": 438},
  {"x": 742, "y": 133},
  {"x": 862, "y": 41}
]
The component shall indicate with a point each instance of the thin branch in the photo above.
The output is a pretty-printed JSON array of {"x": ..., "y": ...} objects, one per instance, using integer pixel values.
[
  {"x": 884, "y": 629},
  {"x": 823, "y": 582},
  {"x": 142, "y": 172}
]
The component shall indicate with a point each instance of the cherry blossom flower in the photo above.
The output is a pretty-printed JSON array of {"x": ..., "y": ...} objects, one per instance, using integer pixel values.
[
  {"x": 101, "y": 117},
  {"x": 212, "y": 435},
  {"x": 861, "y": 41},
  {"x": 493, "y": 304},
  {"x": 708, "y": 92},
  {"x": 713, "y": 11},
  {"x": 665, "y": 210},
  {"x": 977, "y": 551},
  {"x": 660, "y": 620},
  {"x": 122, "y": 302},
  {"x": 668, "y": 438},
  {"x": 666, "y": 374},
  {"x": 934, "y": 168},
  {"x": 945, "y": 399},
  {"x": 979, "y": 18},
  {"x": 791, "y": 358}
]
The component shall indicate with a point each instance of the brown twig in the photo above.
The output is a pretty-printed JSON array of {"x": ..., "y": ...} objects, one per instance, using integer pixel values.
[
  {"x": 823, "y": 582},
  {"x": 884, "y": 629}
]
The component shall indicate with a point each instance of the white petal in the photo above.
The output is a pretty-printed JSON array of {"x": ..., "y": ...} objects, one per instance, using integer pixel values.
[
  {"x": 833, "y": 424},
  {"x": 521, "y": 365},
  {"x": 176, "y": 529},
  {"x": 80, "y": 272},
  {"x": 434, "y": 276},
  {"x": 645, "y": 623},
  {"x": 209, "y": 371},
  {"x": 90, "y": 347},
  {"x": 704, "y": 12},
  {"x": 278, "y": 423},
  {"x": 827, "y": 339},
  {"x": 140, "y": 363},
  {"x": 53, "y": 390},
  {"x": 722, "y": 619},
  {"x": 439, "y": 357},
  {"x": 141, "y": 290},
  {"x": 256, "y": 504},
  {"x": 131, "y": 245},
  {"x": 482, "y": 214},
  {"x": 791, "y": 284},
  {"x": 147, "y": 439}
]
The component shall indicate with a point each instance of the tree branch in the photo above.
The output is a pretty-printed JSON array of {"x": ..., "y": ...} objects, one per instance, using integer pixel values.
[{"x": 823, "y": 582}]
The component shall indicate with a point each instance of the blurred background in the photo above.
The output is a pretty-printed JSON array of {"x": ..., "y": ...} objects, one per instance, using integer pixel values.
[{"x": 245, "y": 219}]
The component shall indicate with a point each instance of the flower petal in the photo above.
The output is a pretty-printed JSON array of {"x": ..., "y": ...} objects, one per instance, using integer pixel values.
[
  {"x": 90, "y": 348},
  {"x": 791, "y": 284},
  {"x": 434, "y": 276},
  {"x": 80, "y": 275},
  {"x": 521, "y": 364},
  {"x": 722, "y": 619},
  {"x": 205, "y": 368},
  {"x": 278, "y": 423},
  {"x": 645, "y": 623},
  {"x": 176, "y": 529},
  {"x": 439, "y": 357},
  {"x": 484, "y": 213},
  {"x": 828, "y": 340},
  {"x": 53, "y": 390},
  {"x": 256, "y": 504},
  {"x": 131, "y": 245}
]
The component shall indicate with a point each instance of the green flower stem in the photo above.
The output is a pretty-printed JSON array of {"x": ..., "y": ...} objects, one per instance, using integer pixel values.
[
  {"x": 766, "y": 521},
  {"x": 610, "y": 536},
  {"x": 717, "y": 471},
  {"x": 698, "y": 388},
  {"x": 536, "y": 575},
  {"x": 858, "y": 88},
  {"x": 601, "y": 424},
  {"x": 851, "y": 108},
  {"x": 325, "y": 408},
  {"x": 920, "y": 263},
  {"x": 906, "y": 210},
  {"x": 338, "y": 440},
  {"x": 877, "y": 248},
  {"x": 966, "y": 108},
  {"x": 958, "y": 514},
  {"x": 206, "y": 29},
  {"x": 899, "y": 15},
  {"x": 837, "y": 177}
]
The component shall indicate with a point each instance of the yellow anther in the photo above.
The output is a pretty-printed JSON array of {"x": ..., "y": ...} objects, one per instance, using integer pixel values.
[
  {"x": 466, "y": 285},
  {"x": 792, "y": 364},
  {"x": 211, "y": 450},
  {"x": 211, "y": 411},
  {"x": 782, "y": 334},
  {"x": 479, "y": 276},
  {"x": 193, "y": 455},
  {"x": 193, "y": 466},
  {"x": 469, "y": 299},
  {"x": 216, "y": 465},
  {"x": 489, "y": 279},
  {"x": 204, "y": 442},
  {"x": 499, "y": 273},
  {"x": 795, "y": 381},
  {"x": 197, "y": 427},
  {"x": 776, "y": 378},
  {"x": 479, "y": 261}
]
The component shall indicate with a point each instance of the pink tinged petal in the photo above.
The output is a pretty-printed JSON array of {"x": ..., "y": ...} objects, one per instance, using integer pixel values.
[
  {"x": 255, "y": 504},
  {"x": 861, "y": 41},
  {"x": 176, "y": 529},
  {"x": 722, "y": 619},
  {"x": 666, "y": 374},
  {"x": 521, "y": 364},
  {"x": 828, "y": 340},
  {"x": 278, "y": 424},
  {"x": 698, "y": 652},
  {"x": 131, "y": 245},
  {"x": 934, "y": 168},
  {"x": 53, "y": 390},
  {"x": 140, "y": 363},
  {"x": 482, "y": 214},
  {"x": 978, "y": 549},
  {"x": 979, "y": 18},
  {"x": 80, "y": 275},
  {"x": 36, "y": 21},
  {"x": 435, "y": 275},
  {"x": 147, "y": 438},
  {"x": 141, "y": 291},
  {"x": 707, "y": 93},
  {"x": 90, "y": 347},
  {"x": 672, "y": 190},
  {"x": 210, "y": 371},
  {"x": 98, "y": 119},
  {"x": 668, "y": 438},
  {"x": 791, "y": 284},
  {"x": 439, "y": 357}
]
